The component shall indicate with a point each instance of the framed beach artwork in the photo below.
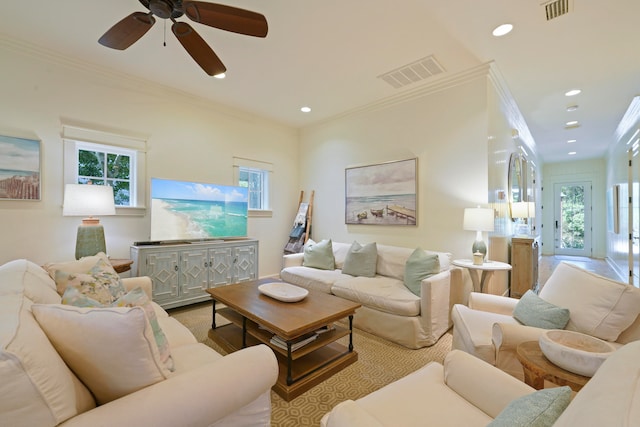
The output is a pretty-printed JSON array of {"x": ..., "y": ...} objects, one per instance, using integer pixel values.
[
  {"x": 19, "y": 168},
  {"x": 382, "y": 194}
]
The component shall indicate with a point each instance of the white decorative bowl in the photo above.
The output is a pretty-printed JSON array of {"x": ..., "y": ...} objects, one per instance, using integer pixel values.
[
  {"x": 578, "y": 353},
  {"x": 283, "y": 291}
]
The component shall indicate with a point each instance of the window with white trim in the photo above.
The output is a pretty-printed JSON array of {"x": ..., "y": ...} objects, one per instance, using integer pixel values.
[
  {"x": 104, "y": 165},
  {"x": 255, "y": 176},
  {"x": 103, "y": 158}
]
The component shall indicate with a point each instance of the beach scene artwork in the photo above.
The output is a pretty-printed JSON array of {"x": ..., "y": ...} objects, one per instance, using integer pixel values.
[
  {"x": 19, "y": 168},
  {"x": 382, "y": 194},
  {"x": 182, "y": 210}
]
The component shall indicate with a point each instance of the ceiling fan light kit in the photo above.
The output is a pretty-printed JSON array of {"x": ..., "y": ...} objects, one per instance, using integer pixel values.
[{"x": 228, "y": 18}]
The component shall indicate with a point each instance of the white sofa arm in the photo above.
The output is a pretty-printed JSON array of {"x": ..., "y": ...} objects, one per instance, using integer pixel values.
[
  {"x": 198, "y": 397},
  {"x": 292, "y": 260},
  {"x": 435, "y": 303},
  {"x": 492, "y": 303},
  {"x": 481, "y": 384},
  {"x": 144, "y": 282},
  {"x": 506, "y": 337},
  {"x": 349, "y": 414}
]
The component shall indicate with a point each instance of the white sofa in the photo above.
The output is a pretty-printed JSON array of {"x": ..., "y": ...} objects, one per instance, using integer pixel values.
[
  {"x": 39, "y": 389},
  {"x": 598, "y": 306},
  {"x": 469, "y": 392},
  {"x": 389, "y": 309}
]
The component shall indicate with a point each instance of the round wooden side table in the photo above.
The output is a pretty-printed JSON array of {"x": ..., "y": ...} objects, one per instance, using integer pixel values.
[
  {"x": 538, "y": 368},
  {"x": 487, "y": 268}
]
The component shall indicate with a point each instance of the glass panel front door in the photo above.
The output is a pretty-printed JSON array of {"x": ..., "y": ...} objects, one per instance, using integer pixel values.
[{"x": 573, "y": 219}]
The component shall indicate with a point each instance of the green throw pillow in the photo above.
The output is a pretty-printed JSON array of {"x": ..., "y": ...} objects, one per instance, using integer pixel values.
[
  {"x": 319, "y": 255},
  {"x": 361, "y": 260},
  {"x": 532, "y": 310},
  {"x": 539, "y": 409},
  {"x": 419, "y": 266}
]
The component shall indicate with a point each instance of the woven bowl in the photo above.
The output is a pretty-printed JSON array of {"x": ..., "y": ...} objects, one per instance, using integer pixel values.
[{"x": 575, "y": 352}]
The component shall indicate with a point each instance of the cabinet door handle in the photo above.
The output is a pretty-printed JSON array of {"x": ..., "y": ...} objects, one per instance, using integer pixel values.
[{"x": 175, "y": 267}]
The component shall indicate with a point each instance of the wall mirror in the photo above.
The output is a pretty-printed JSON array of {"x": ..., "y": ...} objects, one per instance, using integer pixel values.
[{"x": 516, "y": 181}]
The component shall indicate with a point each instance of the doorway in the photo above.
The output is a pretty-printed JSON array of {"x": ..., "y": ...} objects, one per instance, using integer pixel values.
[{"x": 572, "y": 218}]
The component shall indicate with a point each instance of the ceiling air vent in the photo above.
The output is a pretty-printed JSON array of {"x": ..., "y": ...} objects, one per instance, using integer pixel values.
[
  {"x": 557, "y": 8},
  {"x": 413, "y": 72}
]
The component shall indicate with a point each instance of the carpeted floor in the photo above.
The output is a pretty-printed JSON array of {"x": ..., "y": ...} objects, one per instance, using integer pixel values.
[{"x": 380, "y": 362}]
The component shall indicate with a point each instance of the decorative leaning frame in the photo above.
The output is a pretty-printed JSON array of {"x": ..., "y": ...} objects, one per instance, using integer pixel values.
[
  {"x": 20, "y": 168},
  {"x": 382, "y": 194}
]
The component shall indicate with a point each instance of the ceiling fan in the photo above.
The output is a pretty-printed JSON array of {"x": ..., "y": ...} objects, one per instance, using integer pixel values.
[{"x": 133, "y": 27}]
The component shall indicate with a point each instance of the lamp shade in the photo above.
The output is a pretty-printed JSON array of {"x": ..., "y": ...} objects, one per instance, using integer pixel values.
[
  {"x": 88, "y": 200},
  {"x": 478, "y": 219},
  {"x": 523, "y": 210}
]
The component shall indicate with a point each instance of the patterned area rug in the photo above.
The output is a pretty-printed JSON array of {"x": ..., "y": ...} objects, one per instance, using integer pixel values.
[{"x": 380, "y": 362}]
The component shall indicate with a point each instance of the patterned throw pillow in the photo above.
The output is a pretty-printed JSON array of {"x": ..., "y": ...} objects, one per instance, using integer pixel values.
[
  {"x": 134, "y": 298},
  {"x": 100, "y": 283}
]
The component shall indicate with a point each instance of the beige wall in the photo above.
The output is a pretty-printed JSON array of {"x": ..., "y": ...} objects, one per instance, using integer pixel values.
[
  {"x": 445, "y": 129},
  {"x": 186, "y": 139}
]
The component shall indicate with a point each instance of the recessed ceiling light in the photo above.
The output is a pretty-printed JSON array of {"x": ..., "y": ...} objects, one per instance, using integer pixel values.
[
  {"x": 572, "y": 92},
  {"x": 220, "y": 76},
  {"x": 571, "y": 141},
  {"x": 502, "y": 30},
  {"x": 305, "y": 109},
  {"x": 572, "y": 153},
  {"x": 571, "y": 108},
  {"x": 571, "y": 123}
]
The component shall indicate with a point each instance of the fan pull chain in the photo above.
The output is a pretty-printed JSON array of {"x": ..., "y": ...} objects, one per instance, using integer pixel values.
[{"x": 164, "y": 43}]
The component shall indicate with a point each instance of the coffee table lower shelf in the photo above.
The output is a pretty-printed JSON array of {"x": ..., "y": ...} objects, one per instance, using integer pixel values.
[{"x": 311, "y": 369}]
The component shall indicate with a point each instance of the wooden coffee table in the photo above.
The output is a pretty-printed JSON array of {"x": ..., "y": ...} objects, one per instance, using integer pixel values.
[
  {"x": 255, "y": 318},
  {"x": 537, "y": 368}
]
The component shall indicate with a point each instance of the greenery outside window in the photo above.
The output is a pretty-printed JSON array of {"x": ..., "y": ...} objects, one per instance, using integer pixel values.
[
  {"x": 255, "y": 176},
  {"x": 102, "y": 165},
  {"x": 105, "y": 158}
]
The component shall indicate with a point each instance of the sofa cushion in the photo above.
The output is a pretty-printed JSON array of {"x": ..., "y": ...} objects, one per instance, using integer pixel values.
[
  {"x": 319, "y": 255},
  {"x": 381, "y": 293},
  {"x": 361, "y": 260},
  {"x": 418, "y": 267},
  {"x": 531, "y": 310},
  {"x": 112, "y": 350},
  {"x": 312, "y": 278},
  {"x": 598, "y": 306},
  {"x": 612, "y": 396},
  {"x": 36, "y": 386},
  {"x": 539, "y": 409}
]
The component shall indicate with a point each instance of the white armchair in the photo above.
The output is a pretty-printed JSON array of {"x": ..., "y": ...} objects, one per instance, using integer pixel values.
[
  {"x": 598, "y": 306},
  {"x": 469, "y": 392}
]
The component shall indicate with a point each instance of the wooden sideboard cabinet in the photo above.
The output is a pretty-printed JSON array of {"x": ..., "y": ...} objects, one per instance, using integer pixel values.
[
  {"x": 182, "y": 272},
  {"x": 524, "y": 263}
]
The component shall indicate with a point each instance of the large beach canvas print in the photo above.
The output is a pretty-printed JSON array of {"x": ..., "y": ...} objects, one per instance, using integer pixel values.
[
  {"x": 182, "y": 210},
  {"x": 382, "y": 194},
  {"x": 19, "y": 168}
]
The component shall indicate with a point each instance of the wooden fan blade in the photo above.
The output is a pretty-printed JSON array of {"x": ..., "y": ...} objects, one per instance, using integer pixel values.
[
  {"x": 198, "y": 48},
  {"x": 227, "y": 18},
  {"x": 128, "y": 31}
]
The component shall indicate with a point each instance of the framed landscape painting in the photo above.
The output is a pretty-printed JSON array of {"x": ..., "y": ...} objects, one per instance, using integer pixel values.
[
  {"x": 382, "y": 194},
  {"x": 19, "y": 168}
]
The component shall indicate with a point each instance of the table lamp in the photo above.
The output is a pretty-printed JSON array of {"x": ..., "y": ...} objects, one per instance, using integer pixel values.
[
  {"x": 479, "y": 220},
  {"x": 522, "y": 211},
  {"x": 88, "y": 200}
]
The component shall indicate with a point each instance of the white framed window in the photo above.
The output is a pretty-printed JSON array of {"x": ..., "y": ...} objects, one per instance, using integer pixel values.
[
  {"x": 107, "y": 159},
  {"x": 255, "y": 176}
]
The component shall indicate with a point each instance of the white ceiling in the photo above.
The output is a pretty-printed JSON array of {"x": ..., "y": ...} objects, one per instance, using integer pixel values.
[{"x": 328, "y": 55}]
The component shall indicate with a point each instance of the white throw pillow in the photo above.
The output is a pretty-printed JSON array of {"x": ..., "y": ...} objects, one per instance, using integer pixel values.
[
  {"x": 111, "y": 350},
  {"x": 598, "y": 306}
]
